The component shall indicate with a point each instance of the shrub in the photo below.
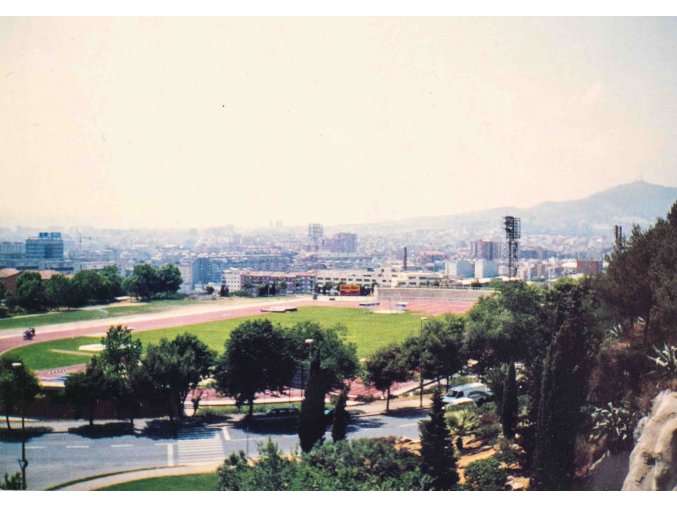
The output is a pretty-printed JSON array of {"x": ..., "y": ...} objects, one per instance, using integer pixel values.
[
  {"x": 488, "y": 431},
  {"x": 486, "y": 475}
]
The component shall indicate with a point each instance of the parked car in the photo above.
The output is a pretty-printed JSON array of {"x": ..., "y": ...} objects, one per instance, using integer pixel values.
[
  {"x": 281, "y": 415},
  {"x": 476, "y": 393}
]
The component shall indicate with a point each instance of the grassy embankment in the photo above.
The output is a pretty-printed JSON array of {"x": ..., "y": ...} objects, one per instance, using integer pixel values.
[
  {"x": 369, "y": 331},
  {"x": 189, "y": 482},
  {"x": 115, "y": 310}
]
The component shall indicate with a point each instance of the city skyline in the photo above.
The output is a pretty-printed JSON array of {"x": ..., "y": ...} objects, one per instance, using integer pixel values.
[{"x": 200, "y": 122}]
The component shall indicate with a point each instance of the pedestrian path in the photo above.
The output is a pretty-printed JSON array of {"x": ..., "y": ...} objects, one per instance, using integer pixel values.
[{"x": 200, "y": 445}]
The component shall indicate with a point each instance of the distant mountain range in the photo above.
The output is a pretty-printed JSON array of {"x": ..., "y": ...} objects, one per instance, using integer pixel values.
[{"x": 633, "y": 203}]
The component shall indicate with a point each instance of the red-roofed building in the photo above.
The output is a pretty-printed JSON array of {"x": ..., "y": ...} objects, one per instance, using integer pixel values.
[{"x": 8, "y": 278}]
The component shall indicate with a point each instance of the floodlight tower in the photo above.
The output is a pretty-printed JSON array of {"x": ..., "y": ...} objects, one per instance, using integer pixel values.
[{"x": 513, "y": 232}]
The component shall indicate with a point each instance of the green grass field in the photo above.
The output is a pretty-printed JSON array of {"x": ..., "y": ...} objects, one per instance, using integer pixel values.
[
  {"x": 44, "y": 319},
  {"x": 40, "y": 356},
  {"x": 369, "y": 331},
  {"x": 190, "y": 482}
]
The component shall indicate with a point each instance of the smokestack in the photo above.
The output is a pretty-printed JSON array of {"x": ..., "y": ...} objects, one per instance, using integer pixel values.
[{"x": 405, "y": 259}]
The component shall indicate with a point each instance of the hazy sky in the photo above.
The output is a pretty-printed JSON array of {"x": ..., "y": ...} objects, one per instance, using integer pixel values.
[{"x": 166, "y": 122}]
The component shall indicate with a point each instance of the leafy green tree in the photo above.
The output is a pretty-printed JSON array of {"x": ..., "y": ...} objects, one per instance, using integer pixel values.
[
  {"x": 111, "y": 281},
  {"x": 87, "y": 388},
  {"x": 333, "y": 361},
  {"x": 508, "y": 326},
  {"x": 438, "y": 458},
  {"x": 91, "y": 286},
  {"x": 259, "y": 357},
  {"x": 339, "y": 426},
  {"x": 486, "y": 475},
  {"x": 120, "y": 360},
  {"x": 57, "y": 290},
  {"x": 143, "y": 283},
  {"x": 509, "y": 404},
  {"x": 3, "y": 291},
  {"x": 209, "y": 290},
  {"x": 12, "y": 382},
  {"x": 30, "y": 293},
  {"x": 385, "y": 367},
  {"x": 175, "y": 367},
  {"x": 169, "y": 278},
  {"x": 223, "y": 292}
]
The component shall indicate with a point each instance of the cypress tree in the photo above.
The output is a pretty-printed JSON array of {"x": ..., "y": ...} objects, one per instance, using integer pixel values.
[
  {"x": 311, "y": 420},
  {"x": 562, "y": 396},
  {"x": 509, "y": 403},
  {"x": 340, "y": 423},
  {"x": 437, "y": 449}
]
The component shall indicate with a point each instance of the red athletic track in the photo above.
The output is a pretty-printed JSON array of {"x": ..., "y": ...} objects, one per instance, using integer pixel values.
[{"x": 425, "y": 307}]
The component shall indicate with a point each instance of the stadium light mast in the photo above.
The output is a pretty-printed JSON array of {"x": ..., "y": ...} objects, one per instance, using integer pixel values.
[{"x": 513, "y": 232}]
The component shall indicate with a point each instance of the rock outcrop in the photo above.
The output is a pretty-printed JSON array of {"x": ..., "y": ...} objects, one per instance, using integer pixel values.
[{"x": 653, "y": 462}]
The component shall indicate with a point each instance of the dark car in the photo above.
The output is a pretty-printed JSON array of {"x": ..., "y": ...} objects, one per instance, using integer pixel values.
[{"x": 282, "y": 415}]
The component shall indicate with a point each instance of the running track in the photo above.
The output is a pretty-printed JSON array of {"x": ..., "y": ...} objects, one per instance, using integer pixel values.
[{"x": 431, "y": 308}]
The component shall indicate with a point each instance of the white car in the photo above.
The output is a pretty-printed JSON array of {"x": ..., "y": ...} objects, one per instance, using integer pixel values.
[{"x": 476, "y": 393}]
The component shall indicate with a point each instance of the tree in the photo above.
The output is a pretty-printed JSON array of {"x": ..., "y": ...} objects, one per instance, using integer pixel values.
[
  {"x": 333, "y": 361},
  {"x": 12, "y": 382},
  {"x": 87, "y": 286},
  {"x": 509, "y": 403},
  {"x": 223, "y": 292},
  {"x": 57, "y": 290},
  {"x": 175, "y": 367},
  {"x": 385, "y": 367},
  {"x": 169, "y": 278},
  {"x": 563, "y": 391},
  {"x": 436, "y": 352},
  {"x": 144, "y": 282},
  {"x": 120, "y": 360},
  {"x": 340, "y": 423},
  {"x": 30, "y": 292},
  {"x": 111, "y": 281},
  {"x": 3, "y": 291},
  {"x": 209, "y": 289},
  {"x": 437, "y": 449},
  {"x": 258, "y": 357},
  {"x": 87, "y": 388}
]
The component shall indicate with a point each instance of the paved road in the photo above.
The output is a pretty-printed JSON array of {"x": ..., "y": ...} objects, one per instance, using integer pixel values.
[{"x": 55, "y": 458}]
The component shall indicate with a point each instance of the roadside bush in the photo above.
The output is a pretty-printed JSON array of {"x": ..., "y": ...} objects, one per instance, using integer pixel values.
[
  {"x": 486, "y": 475},
  {"x": 488, "y": 431}
]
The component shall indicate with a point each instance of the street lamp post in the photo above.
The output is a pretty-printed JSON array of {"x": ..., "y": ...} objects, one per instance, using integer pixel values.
[
  {"x": 420, "y": 361},
  {"x": 309, "y": 342},
  {"x": 23, "y": 462}
]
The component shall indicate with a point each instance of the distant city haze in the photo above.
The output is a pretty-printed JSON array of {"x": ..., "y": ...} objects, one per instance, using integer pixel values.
[{"x": 200, "y": 122}]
